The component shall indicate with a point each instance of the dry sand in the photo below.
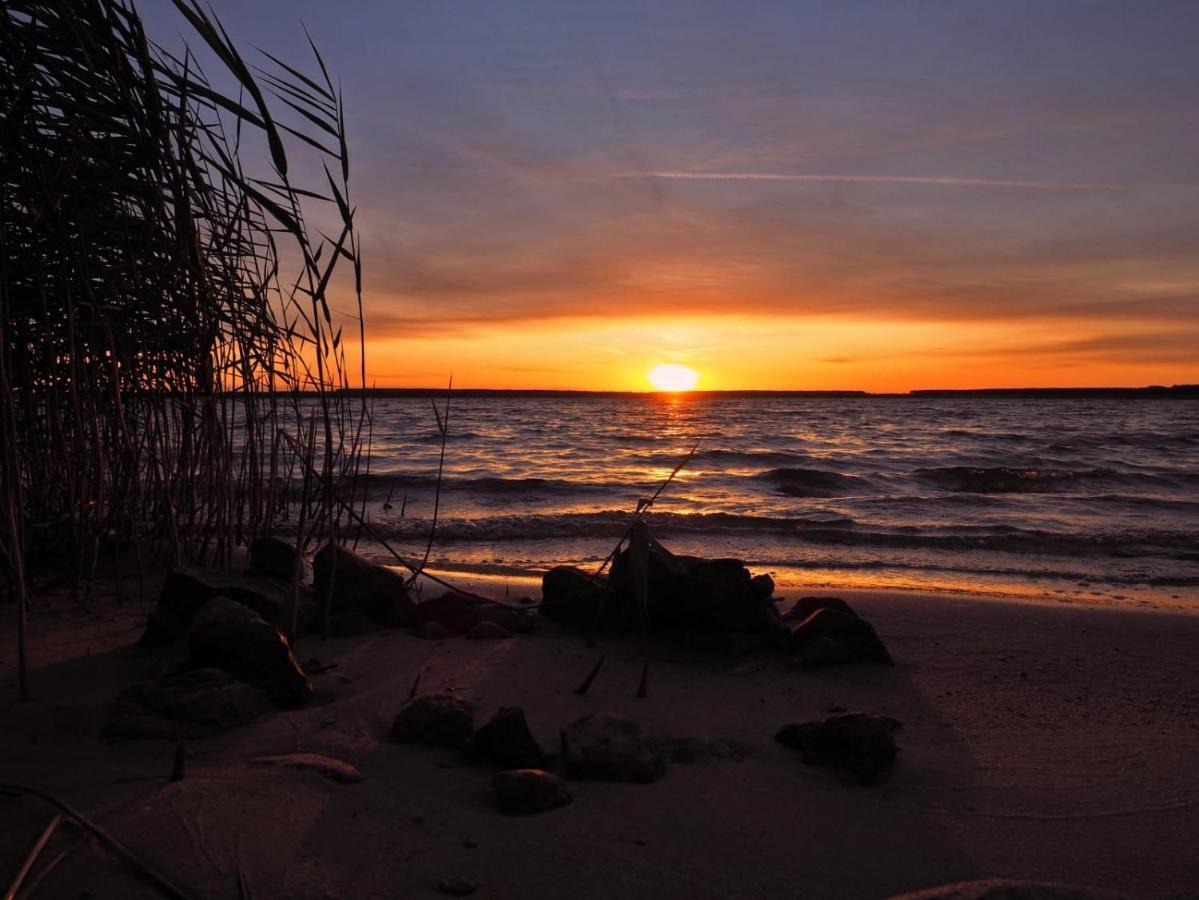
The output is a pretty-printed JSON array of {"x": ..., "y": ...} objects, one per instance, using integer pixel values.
[{"x": 1044, "y": 742}]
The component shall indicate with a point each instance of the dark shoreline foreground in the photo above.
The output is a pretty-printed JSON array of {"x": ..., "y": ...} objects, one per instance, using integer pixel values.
[
  {"x": 1154, "y": 392},
  {"x": 1045, "y": 742}
]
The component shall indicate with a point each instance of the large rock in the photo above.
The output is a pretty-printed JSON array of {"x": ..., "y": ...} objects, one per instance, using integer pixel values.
[
  {"x": 860, "y": 743},
  {"x": 506, "y": 741},
  {"x": 273, "y": 557},
  {"x": 571, "y": 597},
  {"x": 691, "y": 593},
  {"x": 525, "y": 791},
  {"x": 854, "y": 634},
  {"x": 609, "y": 748},
  {"x": 805, "y": 606},
  {"x": 186, "y": 590},
  {"x": 438, "y": 720},
  {"x": 227, "y": 635},
  {"x": 189, "y": 704},
  {"x": 1009, "y": 889},
  {"x": 359, "y": 585}
]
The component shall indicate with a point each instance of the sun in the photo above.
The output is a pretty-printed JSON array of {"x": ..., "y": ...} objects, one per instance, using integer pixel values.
[{"x": 672, "y": 377}]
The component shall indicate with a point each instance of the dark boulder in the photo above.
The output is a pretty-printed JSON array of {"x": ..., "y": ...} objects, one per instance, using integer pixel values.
[
  {"x": 227, "y": 635},
  {"x": 854, "y": 634},
  {"x": 194, "y": 703},
  {"x": 186, "y": 590},
  {"x": 688, "y": 592},
  {"x": 606, "y": 747},
  {"x": 359, "y": 585},
  {"x": 437, "y": 720},
  {"x": 805, "y": 606},
  {"x": 488, "y": 631},
  {"x": 861, "y": 743},
  {"x": 451, "y": 610},
  {"x": 273, "y": 557},
  {"x": 526, "y": 791},
  {"x": 571, "y": 597},
  {"x": 506, "y": 741},
  {"x": 514, "y": 620}
]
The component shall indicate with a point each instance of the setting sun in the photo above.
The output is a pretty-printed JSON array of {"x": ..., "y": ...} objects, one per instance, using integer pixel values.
[{"x": 672, "y": 377}]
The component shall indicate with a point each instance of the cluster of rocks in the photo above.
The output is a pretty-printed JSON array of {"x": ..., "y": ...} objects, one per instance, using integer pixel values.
[
  {"x": 606, "y": 747},
  {"x": 714, "y": 602},
  {"x": 223, "y": 634},
  {"x": 600, "y": 746}
]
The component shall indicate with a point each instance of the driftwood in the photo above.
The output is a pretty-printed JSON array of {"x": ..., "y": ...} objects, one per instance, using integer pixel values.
[
  {"x": 31, "y": 857},
  {"x": 138, "y": 865},
  {"x": 586, "y": 685}
]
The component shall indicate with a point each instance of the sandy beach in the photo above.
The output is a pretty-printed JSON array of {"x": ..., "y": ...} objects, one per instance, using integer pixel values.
[{"x": 1048, "y": 742}]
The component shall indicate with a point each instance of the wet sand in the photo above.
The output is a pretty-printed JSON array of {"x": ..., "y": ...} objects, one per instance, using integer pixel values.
[{"x": 1050, "y": 742}]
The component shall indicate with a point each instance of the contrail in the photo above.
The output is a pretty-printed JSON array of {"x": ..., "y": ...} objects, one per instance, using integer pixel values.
[{"x": 938, "y": 180}]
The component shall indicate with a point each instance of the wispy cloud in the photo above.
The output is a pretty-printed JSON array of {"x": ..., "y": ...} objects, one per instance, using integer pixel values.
[{"x": 933, "y": 180}]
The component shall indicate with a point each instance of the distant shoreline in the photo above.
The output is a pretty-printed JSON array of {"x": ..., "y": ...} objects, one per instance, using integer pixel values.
[{"x": 1183, "y": 391}]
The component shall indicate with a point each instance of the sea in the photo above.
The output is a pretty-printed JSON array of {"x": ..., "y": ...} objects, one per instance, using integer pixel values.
[{"x": 1072, "y": 500}]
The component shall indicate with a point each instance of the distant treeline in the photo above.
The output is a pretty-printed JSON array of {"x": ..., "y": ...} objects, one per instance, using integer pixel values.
[{"x": 1153, "y": 391}]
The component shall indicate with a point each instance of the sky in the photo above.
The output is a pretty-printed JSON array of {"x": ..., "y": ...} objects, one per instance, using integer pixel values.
[{"x": 780, "y": 195}]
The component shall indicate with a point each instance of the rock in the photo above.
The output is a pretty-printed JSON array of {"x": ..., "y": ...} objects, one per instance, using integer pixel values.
[
  {"x": 186, "y": 590},
  {"x": 805, "y": 606},
  {"x": 688, "y": 751},
  {"x": 571, "y": 597},
  {"x": 689, "y": 593},
  {"x": 273, "y": 557},
  {"x": 351, "y": 624},
  {"x": 227, "y": 635},
  {"x": 824, "y": 651},
  {"x": 438, "y": 720},
  {"x": 451, "y": 610},
  {"x": 525, "y": 791},
  {"x": 488, "y": 631},
  {"x": 515, "y": 620},
  {"x": 855, "y": 634},
  {"x": 190, "y": 704},
  {"x": 1008, "y": 889},
  {"x": 360, "y": 585},
  {"x": 333, "y": 769},
  {"x": 506, "y": 741},
  {"x": 433, "y": 631},
  {"x": 860, "y": 743},
  {"x": 606, "y": 747},
  {"x": 762, "y": 586}
]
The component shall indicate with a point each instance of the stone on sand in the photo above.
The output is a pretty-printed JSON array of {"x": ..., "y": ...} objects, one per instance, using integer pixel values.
[
  {"x": 359, "y": 585},
  {"x": 437, "y": 720},
  {"x": 189, "y": 704},
  {"x": 856, "y": 635},
  {"x": 805, "y": 606},
  {"x": 227, "y": 635},
  {"x": 488, "y": 631},
  {"x": 273, "y": 557},
  {"x": 861, "y": 743},
  {"x": 606, "y": 747},
  {"x": 526, "y": 791},
  {"x": 506, "y": 741}
]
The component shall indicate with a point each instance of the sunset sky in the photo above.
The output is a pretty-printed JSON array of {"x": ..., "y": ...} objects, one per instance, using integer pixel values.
[{"x": 793, "y": 195}]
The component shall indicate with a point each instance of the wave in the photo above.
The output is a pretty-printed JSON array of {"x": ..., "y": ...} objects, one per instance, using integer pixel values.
[
  {"x": 484, "y": 484},
  {"x": 1009, "y": 480},
  {"x": 798, "y": 482}
]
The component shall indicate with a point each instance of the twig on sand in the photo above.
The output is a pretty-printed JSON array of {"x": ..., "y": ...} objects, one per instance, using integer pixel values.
[
  {"x": 31, "y": 857},
  {"x": 586, "y": 685},
  {"x": 131, "y": 859},
  {"x": 415, "y": 685},
  {"x": 643, "y": 688}
]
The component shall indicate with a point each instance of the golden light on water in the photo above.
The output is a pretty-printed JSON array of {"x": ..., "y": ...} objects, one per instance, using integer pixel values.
[{"x": 672, "y": 377}]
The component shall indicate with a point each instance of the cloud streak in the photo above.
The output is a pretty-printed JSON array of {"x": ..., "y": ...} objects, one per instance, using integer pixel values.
[{"x": 931, "y": 180}]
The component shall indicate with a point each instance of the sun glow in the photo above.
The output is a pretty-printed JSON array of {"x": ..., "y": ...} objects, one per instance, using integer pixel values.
[{"x": 672, "y": 377}]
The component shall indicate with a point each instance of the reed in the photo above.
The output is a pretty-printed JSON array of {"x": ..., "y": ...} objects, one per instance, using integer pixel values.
[{"x": 169, "y": 349}]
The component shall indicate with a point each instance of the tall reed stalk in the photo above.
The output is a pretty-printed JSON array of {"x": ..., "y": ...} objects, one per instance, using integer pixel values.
[{"x": 168, "y": 347}]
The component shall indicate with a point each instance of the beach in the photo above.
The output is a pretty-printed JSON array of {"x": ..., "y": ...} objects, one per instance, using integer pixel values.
[{"x": 1048, "y": 741}]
